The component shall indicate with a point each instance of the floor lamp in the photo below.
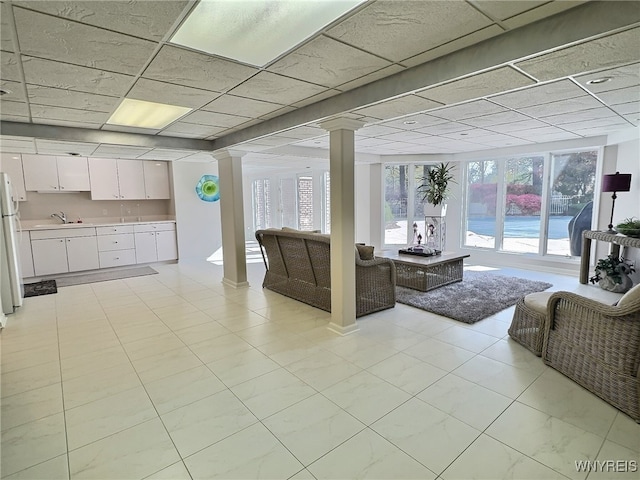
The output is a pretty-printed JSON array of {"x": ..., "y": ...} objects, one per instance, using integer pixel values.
[{"x": 618, "y": 182}]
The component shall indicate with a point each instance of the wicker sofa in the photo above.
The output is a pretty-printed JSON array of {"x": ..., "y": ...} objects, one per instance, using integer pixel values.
[
  {"x": 597, "y": 346},
  {"x": 298, "y": 266}
]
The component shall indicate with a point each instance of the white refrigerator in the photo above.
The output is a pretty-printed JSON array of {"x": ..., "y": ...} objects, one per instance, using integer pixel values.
[{"x": 11, "y": 288}]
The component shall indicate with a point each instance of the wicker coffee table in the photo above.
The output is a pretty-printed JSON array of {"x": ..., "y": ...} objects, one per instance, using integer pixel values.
[{"x": 426, "y": 273}]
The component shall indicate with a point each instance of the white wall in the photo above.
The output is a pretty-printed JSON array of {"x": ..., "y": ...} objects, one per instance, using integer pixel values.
[
  {"x": 628, "y": 204},
  {"x": 198, "y": 222}
]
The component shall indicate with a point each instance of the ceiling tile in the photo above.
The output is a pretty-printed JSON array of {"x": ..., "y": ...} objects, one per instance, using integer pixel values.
[
  {"x": 123, "y": 128},
  {"x": 9, "y": 67},
  {"x": 67, "y": 123},
  {"x": 245, "y": 107},
  {"x": 13, "y": 118},
  {"x": 517, "y": 126},
  {"x": 370, "y": 142},
  {"x": 609, "y": 51},
  {"x": 546, "y": 10},
  {"x": 320, "y": 142},
  {"x": 448, "y": 127},
  {"x": 536, "y": 95},
  {"x": 277, "y": 113},
  {"x": 398, "y": 107},
  {"x": 57, "y": 39},
  {"x": 371, "y": 77},
  {"x": 457, "y": 44},
  {"x": 502, "y": 10},
  {"x": 67, "y": 114},
  {"x": 184, "y": 67},
  {"x": 627, "y": 108},
  {"x": 582, "y": 115},
  {"x": 621, "y": 77},
  {"x": 413, "y": 122},
  {"x": 496, "y": 119},
  {"x": 165, "y": 154},
  {"x": 316, "y": 98},
  {"x": 190, "y": 130},
  {"x": 468, "y": 110},
  {"x": 19, "y": 109},
  {"x": 6, "y": 39},
  {"x": 200, "y": 157},
  {"x": 16, "y": 89},
  {"x": 68, "y": 98},
  {"x": 169, "y": 93},
  {"x": 119, "y": 151},
  {"x": 403, "y": 136},
  {"x": 469, "y": 135},
  {"x": 562, "y": 106},
  {"x": 623, "y": 95},
  {"x": 476, "y": 86},
  {"x": 149, "y": 19},
  {"x": 399, "y": 30},
  {"x": 327, "y": 62},
  {"x": 634, "y": 118},
  {"x": 54, "y": 147},
  {"x": 534, "y": 133},
  {"x": 270, "y": 87},
  {"x": 202, "y": 117},
  {"x": 305, "y": 131},
  {"x": 82, "y": 79},
  {"x": 596, "y": 122},
  {"x": 376, "y": 130},
  {"x": 16, "y": 145}
]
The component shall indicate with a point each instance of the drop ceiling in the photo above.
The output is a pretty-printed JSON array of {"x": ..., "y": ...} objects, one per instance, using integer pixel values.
[{"x": 424, "y": 77}]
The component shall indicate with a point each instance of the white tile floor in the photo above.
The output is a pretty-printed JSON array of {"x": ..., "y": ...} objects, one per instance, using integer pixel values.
[{"x": 174, "y": 376}]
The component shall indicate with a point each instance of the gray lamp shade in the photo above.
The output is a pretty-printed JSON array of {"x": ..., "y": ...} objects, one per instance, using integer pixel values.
[{"x": 618, "y": 182}]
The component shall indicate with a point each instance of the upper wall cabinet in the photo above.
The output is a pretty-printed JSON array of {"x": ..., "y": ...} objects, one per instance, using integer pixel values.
[
  {"x": 116, "y": 179},
  {"x": 11, "y": 163},
  {"x": 156, "y": 180},
  {"x": 48, "y": 173}
]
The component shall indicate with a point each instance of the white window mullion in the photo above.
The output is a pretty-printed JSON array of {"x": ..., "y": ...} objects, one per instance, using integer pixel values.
[
  {"x": 544, "y": 204},
  {"x": 500, "y": 203}
]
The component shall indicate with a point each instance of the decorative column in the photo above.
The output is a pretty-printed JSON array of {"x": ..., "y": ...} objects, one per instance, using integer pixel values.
[
  {"x": 343, "y": 260},
  {"x": 232, "y": 219}
]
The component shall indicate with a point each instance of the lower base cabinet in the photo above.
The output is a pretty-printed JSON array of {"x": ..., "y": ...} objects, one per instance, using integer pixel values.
[
  {"x": 61, "y": 255},
  {"x": 155, "y": 243}
]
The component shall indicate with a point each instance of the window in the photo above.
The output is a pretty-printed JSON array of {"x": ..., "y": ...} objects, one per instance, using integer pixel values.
[
  {"x": 326, "y": 203},
  {"x": 305, "y": 203},
  {"x": 530, "y": 204},
  {"x": 261, "y": 204}
]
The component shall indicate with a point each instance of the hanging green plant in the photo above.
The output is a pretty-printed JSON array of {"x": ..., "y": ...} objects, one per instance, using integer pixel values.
[{"x": 435, "y": 187}]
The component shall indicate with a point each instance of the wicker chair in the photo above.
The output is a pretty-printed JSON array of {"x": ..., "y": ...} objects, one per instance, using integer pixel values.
[
  {"x": 298, "y": 266},
  {"x": 597, "y": 346}
]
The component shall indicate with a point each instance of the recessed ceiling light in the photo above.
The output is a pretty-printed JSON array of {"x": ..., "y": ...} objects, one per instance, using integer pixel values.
[
  {"x": 597, "y": 81},
  {"x": 256, "y": 32},
  {"x": 4, "y": 91},
  {"x": 138, "y": 113},
  {"x": 410, "y": 122}
]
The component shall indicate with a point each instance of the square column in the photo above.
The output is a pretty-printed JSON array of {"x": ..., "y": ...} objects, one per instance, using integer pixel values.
[
  {"x": 232, "y": 219},
  {"x": 343, "y": 260}
]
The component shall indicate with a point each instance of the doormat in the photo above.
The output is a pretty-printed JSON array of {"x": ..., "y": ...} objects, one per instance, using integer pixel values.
[
  {"x": 45, "y": 287},
  {"x": 478, "y": 296},
  {"x": 104, "y": 276}
]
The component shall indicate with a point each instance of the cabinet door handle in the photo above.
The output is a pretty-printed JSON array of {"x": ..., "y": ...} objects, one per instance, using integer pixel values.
[
  {"x": 55, "y": 188},
  {"x": 61, "y": 241},
  {"x": 115, "y": 242},
  {"x": 61, "y": 187},
  {"x": 148, "y": 196},
  {"x": 121, "y": 196},
  {"x": 117, "y": 258},
  {"x": 115, "y": 196}
]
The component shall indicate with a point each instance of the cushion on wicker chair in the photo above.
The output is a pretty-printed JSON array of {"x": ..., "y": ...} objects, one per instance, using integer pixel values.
[
  {"x": 365, "y": 252},
  {"x": 538, "y": 301},
  {"x": 629, "y": 297}
]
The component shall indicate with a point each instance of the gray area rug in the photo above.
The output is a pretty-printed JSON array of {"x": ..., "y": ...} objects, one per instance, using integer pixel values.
[
  {"x": 104, "y": 276},
  {"x": 478, "y": 296}
]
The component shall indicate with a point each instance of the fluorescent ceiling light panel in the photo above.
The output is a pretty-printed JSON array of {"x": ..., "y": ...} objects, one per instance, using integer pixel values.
[
  {"x": 138, "y": 113},
  {"x": 256, "y": 31}
]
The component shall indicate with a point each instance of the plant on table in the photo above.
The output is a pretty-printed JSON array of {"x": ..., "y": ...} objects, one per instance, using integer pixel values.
[{"x": 612, "y": 273}]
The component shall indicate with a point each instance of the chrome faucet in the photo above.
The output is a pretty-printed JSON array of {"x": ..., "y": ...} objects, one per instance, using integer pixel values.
[{"x": 61, "y": 216}]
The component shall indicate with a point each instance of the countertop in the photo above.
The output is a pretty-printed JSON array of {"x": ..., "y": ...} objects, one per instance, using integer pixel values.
[{"x": 30, "y": 225}]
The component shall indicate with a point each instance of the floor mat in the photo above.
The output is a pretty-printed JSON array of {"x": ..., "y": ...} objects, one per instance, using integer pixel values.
[{"x": 45, "y": 287}]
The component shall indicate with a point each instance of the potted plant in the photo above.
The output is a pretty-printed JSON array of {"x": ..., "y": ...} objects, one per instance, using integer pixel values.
[
  {"x": 629, "y": 227},
  {"x": 612, "y": 274},
  {"x": 435, "y": 188}
]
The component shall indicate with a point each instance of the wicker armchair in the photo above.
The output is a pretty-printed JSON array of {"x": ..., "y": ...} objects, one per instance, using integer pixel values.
[
  {"x": 298, "y": 266},
  {"x": 597, "y": 346}
]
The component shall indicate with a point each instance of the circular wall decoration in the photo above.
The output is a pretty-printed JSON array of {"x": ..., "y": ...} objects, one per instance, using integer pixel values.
[{"x": 208, "y": 188}]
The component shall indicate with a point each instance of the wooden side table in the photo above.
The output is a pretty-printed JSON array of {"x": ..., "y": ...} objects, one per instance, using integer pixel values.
[{"x": 616, "y": 241}]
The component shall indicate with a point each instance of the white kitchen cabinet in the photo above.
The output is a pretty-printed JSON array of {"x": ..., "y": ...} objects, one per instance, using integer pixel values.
[
  {"x": 73, "y": 174},
  {"x": 116, "y": 179},
  {"x": 26, "y": 257},
  {"x": 116, "y": 246},
  {"x": 12, "y": 164},
  {"x": 131, "y": 179},
  {"x": 155, "y": 242},
  {"x": 156, "y": 180},
  {"x": 49, "y": 256},
  {"x": 48, "y": 173},
  {"x": 82, "y": 253},
  {"x": 64, "y": 250}
]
